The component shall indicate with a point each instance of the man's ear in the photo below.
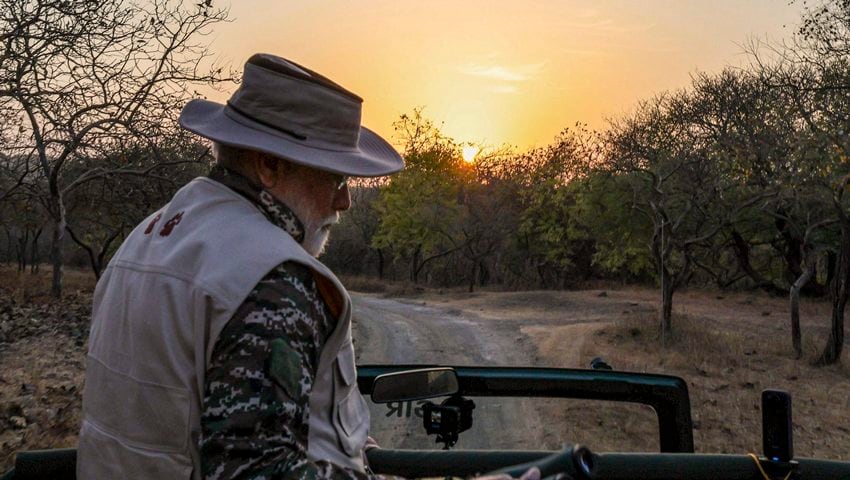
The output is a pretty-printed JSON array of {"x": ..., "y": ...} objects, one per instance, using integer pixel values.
[{"x": 268, "y": 169}]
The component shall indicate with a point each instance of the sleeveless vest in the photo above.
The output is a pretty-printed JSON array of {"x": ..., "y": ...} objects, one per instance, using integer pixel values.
[{"x": 158, "y": 309}]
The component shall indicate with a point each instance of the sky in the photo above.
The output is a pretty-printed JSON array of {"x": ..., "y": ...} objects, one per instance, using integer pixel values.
[{"x": 502, "y": 72}]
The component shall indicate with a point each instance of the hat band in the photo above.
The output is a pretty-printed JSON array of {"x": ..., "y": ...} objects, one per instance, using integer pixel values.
[{"x": 266, "y": 124}]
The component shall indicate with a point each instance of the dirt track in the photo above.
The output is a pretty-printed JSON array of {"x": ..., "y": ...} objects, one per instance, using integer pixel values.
[
  {"x": 407, "y": 332},
  {"x": 728, "y": 348},
  {"x": 484, "y": 330}
]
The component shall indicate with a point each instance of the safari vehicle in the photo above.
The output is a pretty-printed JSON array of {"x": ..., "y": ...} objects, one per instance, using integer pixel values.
[{"x": 459, "y": 388}]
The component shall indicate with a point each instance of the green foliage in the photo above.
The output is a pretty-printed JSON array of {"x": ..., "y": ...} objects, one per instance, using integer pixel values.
[
  {"x": 417, "y": 212},
  {"x": 602, "y": 214},
  {"x": 419, "y": 208}
]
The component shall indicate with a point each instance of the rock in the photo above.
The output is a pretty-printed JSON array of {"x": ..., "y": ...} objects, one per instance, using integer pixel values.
[{"x": 18, "y": 423}]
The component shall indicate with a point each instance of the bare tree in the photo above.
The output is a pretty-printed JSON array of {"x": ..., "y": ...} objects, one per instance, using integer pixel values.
[
  {"x": 814, "y": 72},
  {"x": 85, "y": 77}
]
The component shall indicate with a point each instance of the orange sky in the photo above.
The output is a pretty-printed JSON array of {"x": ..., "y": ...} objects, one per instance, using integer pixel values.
[{"x": 497, "y": 72}]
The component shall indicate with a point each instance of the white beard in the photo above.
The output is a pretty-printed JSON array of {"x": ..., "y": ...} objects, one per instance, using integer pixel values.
[
  {"x": 316, "y": 230},
  {"x": 316, "y": 235}
]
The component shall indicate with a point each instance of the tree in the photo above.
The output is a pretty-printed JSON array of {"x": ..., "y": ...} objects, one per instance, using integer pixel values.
[
  {"x": 674, "y": 181},
  {"x": 84, "y": 78},
  {"x": 488, "y": 217},
  {"x": 419, "y": 208},
  {"x": 546, "y": 224},
  {"x": 814, "y": 73},
  {"x": 104, "y": 209}
]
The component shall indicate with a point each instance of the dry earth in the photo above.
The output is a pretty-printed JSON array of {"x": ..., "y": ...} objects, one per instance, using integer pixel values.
[{"x": 726, "y": 346}]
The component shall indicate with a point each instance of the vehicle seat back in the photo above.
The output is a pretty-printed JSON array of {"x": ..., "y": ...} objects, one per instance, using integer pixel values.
[{"x": 60, "y": 464}]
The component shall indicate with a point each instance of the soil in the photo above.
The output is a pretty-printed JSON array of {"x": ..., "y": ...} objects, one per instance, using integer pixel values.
[{"x": 726, "y": 346}]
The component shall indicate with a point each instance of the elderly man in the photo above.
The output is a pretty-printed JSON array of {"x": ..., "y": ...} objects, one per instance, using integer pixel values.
[{"x": 220, "y": 347}]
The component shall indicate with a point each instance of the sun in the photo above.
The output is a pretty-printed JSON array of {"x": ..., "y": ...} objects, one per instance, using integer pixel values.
[{"x": 469, "y": 153}]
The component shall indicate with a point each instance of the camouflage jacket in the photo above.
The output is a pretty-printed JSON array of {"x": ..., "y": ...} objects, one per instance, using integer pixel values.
[{"x": 255, "y": 416}]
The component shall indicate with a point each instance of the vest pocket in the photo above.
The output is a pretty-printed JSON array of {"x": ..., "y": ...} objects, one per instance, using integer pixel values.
[
  {"x": 351, "y": 413},
  {"x": 351, "y": 421}
]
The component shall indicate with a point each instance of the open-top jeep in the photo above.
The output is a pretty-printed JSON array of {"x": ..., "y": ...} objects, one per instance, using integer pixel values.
[{"x": 446, "y": 398}]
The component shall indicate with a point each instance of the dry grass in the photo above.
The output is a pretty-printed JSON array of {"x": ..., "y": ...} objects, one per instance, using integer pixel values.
[
  {"x": 28, "y": 288},
  {"x": 362, "y": 283},
  {"x": 41, "y": 386},
  {"x": 726, "y": 365},
  {"x": 42, "y": 351}
]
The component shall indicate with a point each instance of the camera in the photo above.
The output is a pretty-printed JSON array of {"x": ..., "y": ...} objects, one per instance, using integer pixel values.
[{"x": 448, "y": 419}]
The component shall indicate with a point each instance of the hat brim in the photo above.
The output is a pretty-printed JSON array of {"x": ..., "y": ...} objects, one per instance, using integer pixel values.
[{"x": 373, "y": 157}]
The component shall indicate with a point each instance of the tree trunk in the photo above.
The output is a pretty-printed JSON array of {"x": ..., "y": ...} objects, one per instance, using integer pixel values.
[
  {"x": 34, "y": 257},
  {"x": 414, "y": 265},
  {"x": 57, "y": 248},
  {"x": 666, "y": 306},
  {"x": 483, "y": 274},
  {"x": 380, "y": 264},
  {"x": 472, "y": 275},
  {"x": 22, "y": 251},
  {"x": 838, "y": 291},
  {"x": 661, "y": 252},
  {"x": 742, "y": 254},
  {"x": 796, "y": 335},
  {"x": 93, "y": 260}
]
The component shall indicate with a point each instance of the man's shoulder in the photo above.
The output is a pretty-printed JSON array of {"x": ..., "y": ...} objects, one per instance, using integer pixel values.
[{"x": 290, "y": 278}]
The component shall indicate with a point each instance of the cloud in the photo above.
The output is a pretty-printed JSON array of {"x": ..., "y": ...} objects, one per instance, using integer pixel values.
[
  {"x": 519, "y": 73},
  {"x": 594, "y": 21}
]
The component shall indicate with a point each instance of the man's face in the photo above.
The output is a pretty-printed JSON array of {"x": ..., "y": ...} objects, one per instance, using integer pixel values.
[{"x": 316, "y": 197}]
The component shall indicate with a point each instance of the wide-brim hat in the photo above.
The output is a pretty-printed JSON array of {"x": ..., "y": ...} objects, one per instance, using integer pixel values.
[{"x": 289, "y": 111}]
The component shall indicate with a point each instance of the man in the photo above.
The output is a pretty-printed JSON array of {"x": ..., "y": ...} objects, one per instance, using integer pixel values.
[{"x": 220, "y": 347}]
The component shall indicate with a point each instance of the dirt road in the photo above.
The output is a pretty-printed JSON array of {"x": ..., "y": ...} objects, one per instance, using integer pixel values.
[
  {"x": 475, "y": 330},
  {"x": 393, "y": 331},
  {"x": 729, "y": 347}
]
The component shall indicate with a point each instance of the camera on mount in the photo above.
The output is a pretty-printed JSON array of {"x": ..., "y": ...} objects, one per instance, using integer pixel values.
[{"x": 448, "y": 419}]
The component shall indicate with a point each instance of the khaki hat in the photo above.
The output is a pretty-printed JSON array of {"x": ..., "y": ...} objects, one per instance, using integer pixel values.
[{"x": 289, "y": 111}]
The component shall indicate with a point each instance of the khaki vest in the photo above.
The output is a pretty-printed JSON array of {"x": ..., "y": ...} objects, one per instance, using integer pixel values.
[{"x": 158, "y": 310}]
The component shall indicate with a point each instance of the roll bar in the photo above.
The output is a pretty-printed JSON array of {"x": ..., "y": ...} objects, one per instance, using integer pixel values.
[{"x": 667, "y": 395}]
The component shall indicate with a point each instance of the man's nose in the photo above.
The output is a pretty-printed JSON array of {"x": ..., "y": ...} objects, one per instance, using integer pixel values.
[{"x": 342, "y": 199}]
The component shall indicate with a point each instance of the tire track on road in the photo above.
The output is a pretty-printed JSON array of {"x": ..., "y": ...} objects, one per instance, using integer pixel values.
[{"x": 389, "y": 331}]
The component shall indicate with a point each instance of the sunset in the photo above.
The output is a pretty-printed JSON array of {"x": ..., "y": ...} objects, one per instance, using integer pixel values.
[
  {"x": 496, "y": 72},
  {"x": 372, "y": 239}
]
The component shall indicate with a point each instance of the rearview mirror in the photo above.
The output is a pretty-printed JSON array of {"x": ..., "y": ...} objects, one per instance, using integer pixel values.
[{"x": 414, "y": 385}]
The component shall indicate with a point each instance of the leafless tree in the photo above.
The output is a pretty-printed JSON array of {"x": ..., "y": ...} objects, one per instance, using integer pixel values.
[
  {"x": 813, "y": 71},
  {"x": 85, "y": 77}
]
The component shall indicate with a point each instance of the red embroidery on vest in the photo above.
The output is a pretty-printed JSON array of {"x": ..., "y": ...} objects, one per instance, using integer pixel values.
[
  {"x": 169, "y": 225},
  {"x": 153, "y": 222}
]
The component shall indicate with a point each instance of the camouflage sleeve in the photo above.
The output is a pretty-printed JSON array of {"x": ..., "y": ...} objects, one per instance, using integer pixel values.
[{"x": 255, "y": 415}]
